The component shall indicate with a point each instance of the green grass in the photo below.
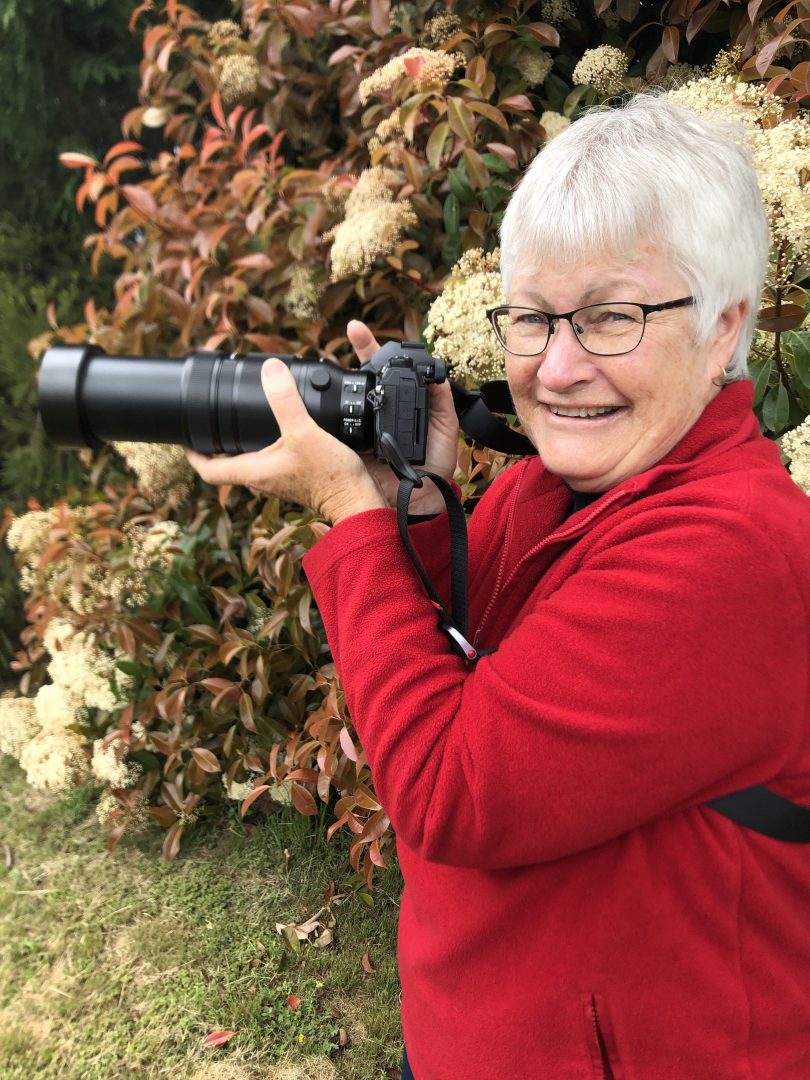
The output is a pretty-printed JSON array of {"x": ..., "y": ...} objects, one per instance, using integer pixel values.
[{"x": 118, "y": 965}]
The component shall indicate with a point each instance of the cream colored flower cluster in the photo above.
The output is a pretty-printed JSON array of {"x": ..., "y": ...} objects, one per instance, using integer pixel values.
[
  {"x": 796, "y": 445},
  {"x": 780, "y": 148},
  {"x": 41, "y": 731},
  {"x": 29, "y": 536},
  {"x": 303, "y": 293},
  {"x": 122, "y": 580},
  {"x": 29, "y": 533},
  {"x": 18, "y": 723},
  {"x": 224, "y": 32},
  {"x": 458, "y": 329},
  {"x": 441, "y": 28},
  {"x": 136, "y": 812},
  {"x": 725, "y": 98},
  {"x": 678, "y": 74},
  {"x": 534, "y": 65},
  {"x": 238, "y": 77},
  {"x": 151, "y": 546},
  {"x": 388, "y": 129},
  {"x": 782, "y": 159},
  {"x": 372, "y": 225},
  {"x": 553, "y": 123},
  {"x": 436, "y": 70},
  {"x": 603, "y": 68},
  {"x": 727, "y": 62},
  {"x": 236, "y": 791},
  {"x": 162, "y": 470},
  {"x": 556, "y": 12},
  {"x": 81, "y": 673},
  {"x": 55, "y": 761},
  {"x": 109, "y": 767}
]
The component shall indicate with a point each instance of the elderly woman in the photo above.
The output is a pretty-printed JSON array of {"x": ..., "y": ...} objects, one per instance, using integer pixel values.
[{"x": 573, "y": 907}]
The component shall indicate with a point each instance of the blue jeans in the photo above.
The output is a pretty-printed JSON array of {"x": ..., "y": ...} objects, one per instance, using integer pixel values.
[{"x": 406, "y": 1069}]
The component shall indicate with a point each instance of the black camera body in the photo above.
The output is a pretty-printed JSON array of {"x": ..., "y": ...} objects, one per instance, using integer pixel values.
[{"x": 213, "y": 402}]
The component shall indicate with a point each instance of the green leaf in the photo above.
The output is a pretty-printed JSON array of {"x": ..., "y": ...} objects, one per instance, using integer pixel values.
[
  {"x": 452, "y": 215},
  {"x": 461, "y": 119},
  {"x": 800, "y": 344},
  {"x": 145, "y": 759},
  {"x": 494, "y": 163},
  {"x": 435, "y": 144},
  {"x": 574, "y": 100},
  {"x": 460, "y": 185},
  {"x": 130, "y": 667},
  {"x": 451, "y": 250},
  {"x": 476, "y": 169},
  {"x": 760, "y": 371},
  {"x": 776, "y": 409}
]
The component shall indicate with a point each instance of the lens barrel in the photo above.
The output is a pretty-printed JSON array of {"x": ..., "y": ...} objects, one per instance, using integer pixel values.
[{"x": 210, "y": 401}]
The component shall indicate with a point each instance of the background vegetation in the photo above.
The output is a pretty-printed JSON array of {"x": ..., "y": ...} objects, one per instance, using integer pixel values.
[{"x": 275, "y": 176}]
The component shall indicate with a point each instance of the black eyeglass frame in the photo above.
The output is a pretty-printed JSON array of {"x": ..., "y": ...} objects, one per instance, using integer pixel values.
[{"x": 646, "y": 309}]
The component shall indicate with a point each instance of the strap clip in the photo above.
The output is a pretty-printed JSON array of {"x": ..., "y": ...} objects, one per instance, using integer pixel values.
[{"x": 459, "y": 643}]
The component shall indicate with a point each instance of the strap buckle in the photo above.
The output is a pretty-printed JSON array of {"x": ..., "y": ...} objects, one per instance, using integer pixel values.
[{"x": 459, "y": 643}]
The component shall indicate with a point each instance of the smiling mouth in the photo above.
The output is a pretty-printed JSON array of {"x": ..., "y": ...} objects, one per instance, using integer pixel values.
[{"x": 587, "y": 412}]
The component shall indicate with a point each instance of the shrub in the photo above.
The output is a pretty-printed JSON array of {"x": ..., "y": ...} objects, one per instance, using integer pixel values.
[{"x": 322, "y": 162}]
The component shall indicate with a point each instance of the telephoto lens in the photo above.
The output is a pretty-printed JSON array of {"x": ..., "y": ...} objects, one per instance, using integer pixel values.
[{"x": 212, "y": 402}]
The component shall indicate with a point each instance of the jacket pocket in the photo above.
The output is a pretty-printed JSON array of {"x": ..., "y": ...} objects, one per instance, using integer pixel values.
[{"x": 600, "y": 1039}]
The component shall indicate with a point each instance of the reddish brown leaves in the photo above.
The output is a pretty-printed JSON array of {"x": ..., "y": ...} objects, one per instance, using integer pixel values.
[{"x": 218, "y": 1038}]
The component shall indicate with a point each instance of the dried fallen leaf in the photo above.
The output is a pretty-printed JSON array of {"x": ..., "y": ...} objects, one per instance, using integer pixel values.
[
  {"x": 367, "y": 965},
  {"x": 217, "y": 1038}
]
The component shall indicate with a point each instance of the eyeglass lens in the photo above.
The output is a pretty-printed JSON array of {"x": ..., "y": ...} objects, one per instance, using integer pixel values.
[{"x": 606, "y": 329}]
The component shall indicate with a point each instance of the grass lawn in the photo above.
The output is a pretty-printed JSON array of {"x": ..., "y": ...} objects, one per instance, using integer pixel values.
[{"x": 119, "y": 965}]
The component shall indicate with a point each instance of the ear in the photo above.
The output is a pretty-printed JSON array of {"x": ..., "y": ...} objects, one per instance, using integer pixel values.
[{"x": 726, "y": 335}]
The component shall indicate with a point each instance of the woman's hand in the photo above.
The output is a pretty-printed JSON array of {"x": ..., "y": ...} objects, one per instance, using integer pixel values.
[
  {"x": 442, "y": 440},
  {"x": 305, "y": 464},
  {"x": 309, "y": 466}
]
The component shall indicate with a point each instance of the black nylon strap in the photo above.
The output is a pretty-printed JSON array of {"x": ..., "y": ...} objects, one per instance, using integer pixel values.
[
  {"x": 475, "y": 408},
  {"x": 765, "y": 812},
  {"x": 453, "y": 622}
]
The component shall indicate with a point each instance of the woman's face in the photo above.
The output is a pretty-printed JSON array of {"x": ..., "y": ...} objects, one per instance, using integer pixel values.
[{"x": 658, "y": 391}]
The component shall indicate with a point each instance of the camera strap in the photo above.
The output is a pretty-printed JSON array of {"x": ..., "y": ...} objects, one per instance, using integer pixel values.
[
  {"x": 475, "y": 409},
  {"x": 454, "y": 621}
]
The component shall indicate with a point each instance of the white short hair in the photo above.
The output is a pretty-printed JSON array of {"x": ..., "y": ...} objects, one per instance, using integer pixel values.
[{"x": 650, "y": 171}]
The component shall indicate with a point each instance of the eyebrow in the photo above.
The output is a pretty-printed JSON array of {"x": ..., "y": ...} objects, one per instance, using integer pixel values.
[{"x": 610, "y": 283}]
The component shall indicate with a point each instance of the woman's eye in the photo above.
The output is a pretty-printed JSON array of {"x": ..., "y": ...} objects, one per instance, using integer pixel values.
[{"x": 530, "y": 318}]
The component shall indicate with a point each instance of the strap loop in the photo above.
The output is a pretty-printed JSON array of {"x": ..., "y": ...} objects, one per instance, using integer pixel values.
[{"x": 453, "y": 622}]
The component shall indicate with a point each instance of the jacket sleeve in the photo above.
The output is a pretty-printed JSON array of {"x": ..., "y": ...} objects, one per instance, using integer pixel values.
[{"x": 671, "y": 667}]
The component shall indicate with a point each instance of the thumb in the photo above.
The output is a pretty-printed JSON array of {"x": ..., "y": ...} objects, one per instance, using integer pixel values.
[{"x": 282, "y": 395}]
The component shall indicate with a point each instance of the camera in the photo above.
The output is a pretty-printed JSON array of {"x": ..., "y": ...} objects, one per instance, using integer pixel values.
[{"x": 213, "y": 402}]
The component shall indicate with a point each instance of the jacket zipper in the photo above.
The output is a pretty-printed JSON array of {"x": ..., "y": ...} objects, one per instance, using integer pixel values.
[
  {"x": 502, "y": 561},
  {"x": 555, "y": 538},
  {"x": 607, "y": 1069}
]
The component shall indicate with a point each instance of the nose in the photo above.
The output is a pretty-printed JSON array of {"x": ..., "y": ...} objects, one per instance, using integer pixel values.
[{"x": 564, "y": 363}]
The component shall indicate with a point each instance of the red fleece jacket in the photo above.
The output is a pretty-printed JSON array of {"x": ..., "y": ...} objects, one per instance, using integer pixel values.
[{"x": 568, "y": 898}]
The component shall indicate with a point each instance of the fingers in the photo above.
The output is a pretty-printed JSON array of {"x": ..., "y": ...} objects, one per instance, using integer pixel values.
[
  {"x": 282, "y": 396},
  {"x": 223, "y": 470},
  {"x": 441, "y": 402},
  {"x": 362, "y": 340}
]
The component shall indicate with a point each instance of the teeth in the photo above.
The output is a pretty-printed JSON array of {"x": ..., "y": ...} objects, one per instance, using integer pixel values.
[{"x": 558, "y": 410}]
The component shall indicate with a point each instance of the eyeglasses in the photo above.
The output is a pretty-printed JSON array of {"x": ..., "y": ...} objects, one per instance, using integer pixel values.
[{"x": 603, "y": 329}]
